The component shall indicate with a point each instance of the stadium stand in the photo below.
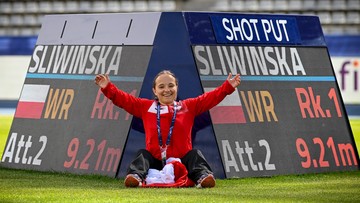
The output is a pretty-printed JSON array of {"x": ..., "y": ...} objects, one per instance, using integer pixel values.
[{"x": 22, "y": 18}]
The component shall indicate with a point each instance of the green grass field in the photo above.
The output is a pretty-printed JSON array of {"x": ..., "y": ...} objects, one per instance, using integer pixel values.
[
  {"x": 29, "y": 186},
  {"x": 355, "y": 127},
  {"x": 5, "y": 124},
  {"x": 32, "y": 186}
]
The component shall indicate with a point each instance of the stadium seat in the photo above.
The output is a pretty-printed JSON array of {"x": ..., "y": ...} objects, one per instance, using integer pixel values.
[
  {"x": 154, "y": 5},
  {"x": 309, "y": 5},
  {"x": 14, "y": 31},
  {"x": 45, "y": 6},
  {"x": 140, "y": 5},
  {"x": 127, "y": 6},
  {"x": 222, "y": 5},
  {"x": 36, "y": 31},
  {"x": 353, "y": 4},
  {"x": 237, "y": 5},
  {"x": 31, "y": 6},
  {"x": 58, "y": 7},
  {"x": 85, "y": 6},
  {"x": 339, "y": 5},
  {"x": 336, "y": 30},
  {"x": 30, "y": 20},
  {"x": 2, "y": 32},
  {"x": 281, "y": 5},
  {"x": 338, "y": 17},
  {"x": 16, "y": 20},
  {"x": 327, "y": 29},
  {"x": 295, "y": 5},
  {"x": 169, "y": 5},
  {"x": 325, "y": 17},
  {"x": 26, "y": 31},
  {"x": 5, "y": 7},
  {"x": 353, "y": 17},
  {"x": 266, "y": 5},
  {"x": 113, "y": 6},
  {"x": 324, "y": 5},
  {"x": 18, "y": 7},
  {"x": 352, "y": 30},
  {"x": 99, "y": 6},
  {"x": 39, "y": 20},
  {"x": 251, "y": 5},
  {"x": 72, "y": 6},
  {"x": 4, "y": 20}
]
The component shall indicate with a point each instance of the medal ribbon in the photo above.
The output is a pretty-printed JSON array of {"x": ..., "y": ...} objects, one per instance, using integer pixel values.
[{"x": 163, "y": 148}]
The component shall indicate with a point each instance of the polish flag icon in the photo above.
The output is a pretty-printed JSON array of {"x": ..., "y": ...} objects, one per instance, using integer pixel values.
[
  {"x": 229, "y": 110},
  {"x": 32, "y": 101}
]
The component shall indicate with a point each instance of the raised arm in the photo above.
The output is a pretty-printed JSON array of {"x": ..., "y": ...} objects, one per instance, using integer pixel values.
[
  {"x": 210, "y": 99},
  {"x": 128, "y": 102}
]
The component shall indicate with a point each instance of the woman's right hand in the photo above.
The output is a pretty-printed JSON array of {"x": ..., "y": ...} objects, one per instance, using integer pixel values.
[{"x": 102, "y": 80}]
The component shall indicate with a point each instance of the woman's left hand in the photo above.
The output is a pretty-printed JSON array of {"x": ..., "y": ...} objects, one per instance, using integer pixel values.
[{"x": 234, "y": 81}]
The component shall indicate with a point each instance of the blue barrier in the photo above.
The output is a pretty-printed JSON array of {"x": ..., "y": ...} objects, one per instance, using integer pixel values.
[
  {"x": 343, "y": 45},
  {"x": 10, "y": 45}
]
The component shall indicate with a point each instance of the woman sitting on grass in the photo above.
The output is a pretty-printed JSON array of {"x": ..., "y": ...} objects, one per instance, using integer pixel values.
[{"x": 168, "y": 124}]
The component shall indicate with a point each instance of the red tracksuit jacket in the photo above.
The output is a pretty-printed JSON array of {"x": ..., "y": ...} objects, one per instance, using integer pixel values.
[{"x": 180, "y": 142}]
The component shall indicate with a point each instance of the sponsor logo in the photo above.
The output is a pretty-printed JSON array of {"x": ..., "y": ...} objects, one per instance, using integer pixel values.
[{"x": 349, "y": 71}]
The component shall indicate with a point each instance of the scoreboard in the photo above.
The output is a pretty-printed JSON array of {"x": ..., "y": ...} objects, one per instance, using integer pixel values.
[
  {"x": 63, "y": 122},
  {"x": 286, "y": 117}
]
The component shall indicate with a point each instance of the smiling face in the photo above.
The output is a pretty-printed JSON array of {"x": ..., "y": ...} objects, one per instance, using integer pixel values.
[{"x": 165, "y": 88}]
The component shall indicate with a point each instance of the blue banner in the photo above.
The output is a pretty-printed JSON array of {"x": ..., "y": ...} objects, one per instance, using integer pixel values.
[{"x": 255, "y": 29}]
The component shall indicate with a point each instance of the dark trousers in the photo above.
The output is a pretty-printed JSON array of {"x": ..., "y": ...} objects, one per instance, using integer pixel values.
[{"x": 194, "y": 162}]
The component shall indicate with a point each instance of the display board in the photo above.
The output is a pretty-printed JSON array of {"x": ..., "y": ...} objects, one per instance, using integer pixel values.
[
  {"x": 286, "y": 117},
  {"x": 63, "y": 122}
]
